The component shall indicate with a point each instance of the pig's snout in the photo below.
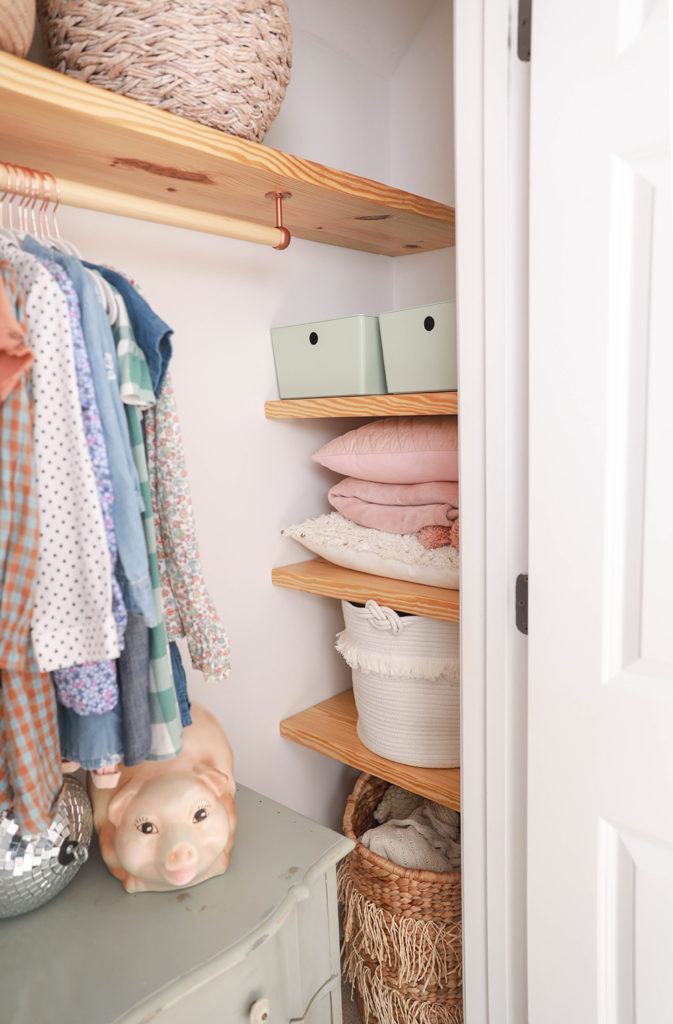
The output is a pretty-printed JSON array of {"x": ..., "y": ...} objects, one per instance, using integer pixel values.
[
  {"x": 181, "y": 856},
  {"x": 181, "y": 861}
]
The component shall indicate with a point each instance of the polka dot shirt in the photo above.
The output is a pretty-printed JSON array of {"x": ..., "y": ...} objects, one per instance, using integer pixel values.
[{"x": 72, "y": 618}]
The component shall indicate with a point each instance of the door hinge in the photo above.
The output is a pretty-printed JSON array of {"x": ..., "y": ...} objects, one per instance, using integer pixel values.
[
  {"x": 523, "y": 30},
  {"x": 521, "y": 598}
]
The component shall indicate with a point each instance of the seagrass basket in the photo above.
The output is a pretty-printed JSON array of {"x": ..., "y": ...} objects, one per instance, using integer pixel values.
[
  {"x": 223, "y": 64},
  {"x": 402, "y": 947}
]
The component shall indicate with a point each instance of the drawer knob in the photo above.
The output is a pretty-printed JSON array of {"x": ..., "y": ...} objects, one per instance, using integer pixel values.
[{"x": 260, "y": 1012}]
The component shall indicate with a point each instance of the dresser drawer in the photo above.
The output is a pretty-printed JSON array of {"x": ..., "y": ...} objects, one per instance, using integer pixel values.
[{"x": 293, "y": 963}]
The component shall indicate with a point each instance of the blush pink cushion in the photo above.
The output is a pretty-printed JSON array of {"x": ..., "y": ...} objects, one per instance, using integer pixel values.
[
  {"x": 396, "y": 508},
  {"x": 396, "y": 449}
]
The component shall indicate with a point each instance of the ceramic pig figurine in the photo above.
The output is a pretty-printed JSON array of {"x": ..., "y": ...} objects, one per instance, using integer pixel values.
[{"x": 170, "y": 824}]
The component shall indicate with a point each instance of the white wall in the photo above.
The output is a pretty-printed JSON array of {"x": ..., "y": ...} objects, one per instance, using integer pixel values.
[
  {"x": 251, "y": 476},
  {"x": 422, "y": 151}
]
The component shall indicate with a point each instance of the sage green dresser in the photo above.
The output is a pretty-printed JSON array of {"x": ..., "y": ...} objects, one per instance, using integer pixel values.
[{"x": 257, "y": 945}]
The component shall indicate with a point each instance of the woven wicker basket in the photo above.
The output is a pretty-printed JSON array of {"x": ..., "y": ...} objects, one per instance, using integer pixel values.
[
  {"x": 402, "y": 948},
  {"x": 223, "y": 64}
]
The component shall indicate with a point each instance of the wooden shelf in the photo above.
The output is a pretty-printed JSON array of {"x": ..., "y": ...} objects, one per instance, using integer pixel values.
[
  {"x": 432, "y": 403},
  {"x": 87, "y": 135},
  {"x": 330, "y": 728},
  {"x": 316, "y": 576}
]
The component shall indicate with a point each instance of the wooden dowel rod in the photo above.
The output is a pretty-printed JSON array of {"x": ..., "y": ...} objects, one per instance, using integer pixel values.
[
  {"x": 123, "y": 204},
  {"x": 90, "y": 197}
]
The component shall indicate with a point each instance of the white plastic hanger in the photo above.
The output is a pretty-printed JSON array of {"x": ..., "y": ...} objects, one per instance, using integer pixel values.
[{"x": 106, "y": 294}]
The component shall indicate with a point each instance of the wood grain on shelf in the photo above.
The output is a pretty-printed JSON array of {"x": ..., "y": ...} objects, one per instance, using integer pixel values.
[
  {"x": 81, "y": 133},
  {"x": 432, "y": 403},
  {"x": 330, "y": 728},
  {"x": 316, "y": 576}
]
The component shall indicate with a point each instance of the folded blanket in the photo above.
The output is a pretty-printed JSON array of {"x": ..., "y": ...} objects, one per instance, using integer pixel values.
[
  {"x": 427, "y": 839},
  {"x": 395, "y": 508}
]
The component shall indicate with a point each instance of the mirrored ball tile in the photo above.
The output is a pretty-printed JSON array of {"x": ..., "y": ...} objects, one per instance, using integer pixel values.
[{"x": 34, "y": 868}]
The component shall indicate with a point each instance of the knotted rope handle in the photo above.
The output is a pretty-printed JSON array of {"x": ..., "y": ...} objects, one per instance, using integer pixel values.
[{"x": 383, "y": 618}]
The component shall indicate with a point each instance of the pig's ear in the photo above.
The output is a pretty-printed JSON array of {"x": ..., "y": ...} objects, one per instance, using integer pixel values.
[
  {"x": 219, "y": 782},
  {"x": 119, "y": 802}
]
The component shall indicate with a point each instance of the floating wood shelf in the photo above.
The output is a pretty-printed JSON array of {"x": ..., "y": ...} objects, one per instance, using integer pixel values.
[
  {"x": 316, "y": 576},
  {"x": 433, "y": 403},
  {"x": 84, "y": 134},
  {"x": 330, "y": 728}
]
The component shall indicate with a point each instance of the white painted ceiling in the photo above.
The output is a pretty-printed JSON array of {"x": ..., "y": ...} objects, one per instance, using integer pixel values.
[{"x": 371, "y": 32}]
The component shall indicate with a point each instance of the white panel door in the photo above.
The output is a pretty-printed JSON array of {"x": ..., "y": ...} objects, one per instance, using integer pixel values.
[{"x": 600, "y": 803}]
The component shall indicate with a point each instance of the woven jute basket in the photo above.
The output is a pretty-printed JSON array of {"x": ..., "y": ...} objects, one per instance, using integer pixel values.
[
  {"x": 402, "y": 948},
  {"x": 226, "y": 65}
]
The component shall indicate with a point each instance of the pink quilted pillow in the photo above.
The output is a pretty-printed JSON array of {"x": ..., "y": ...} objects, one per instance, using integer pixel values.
[{"x": 396, "y": 449}]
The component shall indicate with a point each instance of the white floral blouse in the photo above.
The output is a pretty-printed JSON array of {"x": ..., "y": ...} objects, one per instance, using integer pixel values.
[{"x": 187, "y": 605}]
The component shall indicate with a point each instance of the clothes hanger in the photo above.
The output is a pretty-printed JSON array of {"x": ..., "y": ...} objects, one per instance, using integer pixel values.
[
  {"x": 9, "y": 232},
  {"x": 109, "y": 298},
  {"x": 56, "y": 241}
]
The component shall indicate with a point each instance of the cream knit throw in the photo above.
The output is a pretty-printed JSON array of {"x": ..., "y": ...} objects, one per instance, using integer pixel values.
[{"x": 427, "y": 837}]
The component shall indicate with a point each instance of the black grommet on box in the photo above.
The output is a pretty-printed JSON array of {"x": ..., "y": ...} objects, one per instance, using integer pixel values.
[
  {"x": 313, "y": 338},
  {"x": 429, "y": 323}
]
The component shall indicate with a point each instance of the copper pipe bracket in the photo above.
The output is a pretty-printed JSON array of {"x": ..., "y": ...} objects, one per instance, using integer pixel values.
[{"x": 285, "y": 234}]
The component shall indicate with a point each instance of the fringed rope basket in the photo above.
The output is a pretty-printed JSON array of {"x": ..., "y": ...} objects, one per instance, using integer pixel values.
[
  {"x": 226, "y": 65},
  {"x": 406, "y": 683},
  {"x": 402, "y": 949}
]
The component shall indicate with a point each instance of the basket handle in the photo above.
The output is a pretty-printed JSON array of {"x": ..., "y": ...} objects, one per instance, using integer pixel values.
[{"x": 383, "y": 618}]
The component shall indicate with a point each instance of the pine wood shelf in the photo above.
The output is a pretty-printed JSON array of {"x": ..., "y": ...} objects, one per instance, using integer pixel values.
[
  {"x": 87, "y": 135},
  {"x": 316, "y": 576},
  {"x": 432, "y": 403},
  {"x": 330, "y": 728}
]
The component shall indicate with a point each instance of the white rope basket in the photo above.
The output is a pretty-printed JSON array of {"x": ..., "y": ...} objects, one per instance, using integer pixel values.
[
  {"x": 225, "y": 64},
  {"x": 406, "y": 684}
]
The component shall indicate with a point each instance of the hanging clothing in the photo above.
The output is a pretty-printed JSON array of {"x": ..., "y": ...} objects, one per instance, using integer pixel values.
[
  {"x": 134, "y": 685},
  {"x": 72, "y": 619},
  {"x": 30, "y": 777},
  {"x": 92, "y": 741},
  {"x": 15, "y": 353},
  {"x": 180, "y": 680},
  {"x": 137, "y": 587},
  {"x": 91, "y": 688},
  {"x": 187, "y": 604},
  {"x": 150, "y": 332},
  {"x": 165, "y": 723}
]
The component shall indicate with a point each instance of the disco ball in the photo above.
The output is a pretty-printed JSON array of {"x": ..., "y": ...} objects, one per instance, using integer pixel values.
[{"x": 34, "y": 868}]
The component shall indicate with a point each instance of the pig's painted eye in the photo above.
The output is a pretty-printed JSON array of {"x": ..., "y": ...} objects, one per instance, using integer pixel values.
[
  {"x": 147, "y": 827},
  {"x": 201, "y": 813}
]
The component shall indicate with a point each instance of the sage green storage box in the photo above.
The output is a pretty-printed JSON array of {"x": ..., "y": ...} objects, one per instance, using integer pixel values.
[
  {"x": 419, "y": 348},
  {"x": 330, "y": 357}
]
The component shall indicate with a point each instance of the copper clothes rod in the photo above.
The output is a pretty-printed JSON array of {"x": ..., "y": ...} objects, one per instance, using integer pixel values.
[{"x": 91, "y": 197}]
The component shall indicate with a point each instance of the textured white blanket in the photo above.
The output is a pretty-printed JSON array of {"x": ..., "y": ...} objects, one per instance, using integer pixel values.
[{"x": 426, "y": 837}]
